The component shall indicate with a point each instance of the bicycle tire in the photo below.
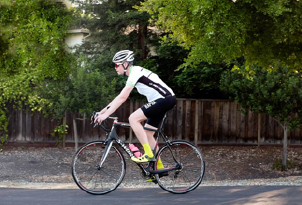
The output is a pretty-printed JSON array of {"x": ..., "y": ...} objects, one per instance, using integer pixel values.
[
  {"x": 186, "y": 178},
  {"x": 92, "y": 179}
]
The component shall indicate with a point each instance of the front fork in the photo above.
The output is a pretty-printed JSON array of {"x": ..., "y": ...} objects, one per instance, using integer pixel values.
[{"x": 106, "y": 152}]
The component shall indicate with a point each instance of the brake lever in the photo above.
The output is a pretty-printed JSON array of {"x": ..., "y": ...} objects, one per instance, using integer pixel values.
[{"x": 94, "y": 115}]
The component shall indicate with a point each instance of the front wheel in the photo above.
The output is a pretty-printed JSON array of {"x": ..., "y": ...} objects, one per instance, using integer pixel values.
[
  {"x": 88, "y": 174},
  {"x": 189, "y": 164}
]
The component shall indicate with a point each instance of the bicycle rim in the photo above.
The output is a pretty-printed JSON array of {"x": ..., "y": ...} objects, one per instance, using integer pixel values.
[
  {"x": 87, "y": 174},
  {"x": 189, "y": 175}
]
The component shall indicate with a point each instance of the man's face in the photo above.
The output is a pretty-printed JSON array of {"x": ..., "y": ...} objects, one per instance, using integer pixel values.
[{"x": 119, "y": 68}]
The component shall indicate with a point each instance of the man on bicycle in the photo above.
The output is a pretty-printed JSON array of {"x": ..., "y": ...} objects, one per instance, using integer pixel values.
[{"x": 160, "y": 100}]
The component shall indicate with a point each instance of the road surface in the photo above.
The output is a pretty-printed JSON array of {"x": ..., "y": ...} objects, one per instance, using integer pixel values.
[{"x": 266, "y": 195}]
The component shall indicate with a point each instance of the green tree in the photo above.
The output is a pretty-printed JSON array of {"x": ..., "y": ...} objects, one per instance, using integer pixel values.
[
  {"x": 83, "y": 91},
  {"x": 264, "y": 32},
  {"x": 114, "y": 25},
  {"x": 32, "y": 51},
  {"x": 165, "y": 63},
  {"x": 202, "y": 81},
  {"x": 276, "y": 92}
]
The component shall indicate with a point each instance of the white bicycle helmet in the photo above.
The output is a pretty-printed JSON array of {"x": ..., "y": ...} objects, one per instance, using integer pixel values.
[{"x": 123, "y": 56}]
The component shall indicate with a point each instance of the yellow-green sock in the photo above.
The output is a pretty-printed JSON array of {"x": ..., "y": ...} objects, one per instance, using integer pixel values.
[
  {"x": 148, "y": 150},
  {"x": 160, "y": 164}
]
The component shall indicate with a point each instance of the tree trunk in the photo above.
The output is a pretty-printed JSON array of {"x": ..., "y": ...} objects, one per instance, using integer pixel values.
[
  {"x": 284, "y": 154},
  {"x": 142, "y": 34}
]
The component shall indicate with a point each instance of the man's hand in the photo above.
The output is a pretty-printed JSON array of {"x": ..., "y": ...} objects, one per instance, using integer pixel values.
[{"x": 99, "y": 118}]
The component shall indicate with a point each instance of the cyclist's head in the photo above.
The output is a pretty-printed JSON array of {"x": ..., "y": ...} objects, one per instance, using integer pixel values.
[{"x": 121, "y": 57}]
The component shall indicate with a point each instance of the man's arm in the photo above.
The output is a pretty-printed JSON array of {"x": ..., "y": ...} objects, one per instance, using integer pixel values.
[
  {"x": 119, "y": 100},
  {"x": 105, "y": 109},
  {"x": 116, "y": 103}
]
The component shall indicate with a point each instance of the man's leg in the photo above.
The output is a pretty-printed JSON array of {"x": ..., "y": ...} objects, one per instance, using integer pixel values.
[
  {"x": 152, "y": 143},
  {"x": 150, "y": 136},
  {"x": 135, "y": 120}
]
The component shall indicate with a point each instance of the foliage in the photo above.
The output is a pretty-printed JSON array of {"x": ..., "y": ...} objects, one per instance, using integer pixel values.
[
  {"x": 33, "y": 32},
  {"x": 165, "y": 63},
  {"x": 32, "y": 51},
  {"x": 60, "y": 131},
  {"x": 113, "y": 25},
  {"x": 277, "y": 165},
  {"x": 3, "y": 126},
  {"x": 202, "y": 81},
  {"x": 116, "y": 25},
  {"x": 84, "y": 90},
  {"x": 123, "y": 27},
  {"x": 276, "y": 92},
  {"x": 183, "y": 81},
  {"x": 265, "y": 32}
]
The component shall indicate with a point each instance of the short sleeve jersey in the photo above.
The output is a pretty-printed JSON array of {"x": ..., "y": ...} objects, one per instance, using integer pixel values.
[{"x": 148, "y": 83}]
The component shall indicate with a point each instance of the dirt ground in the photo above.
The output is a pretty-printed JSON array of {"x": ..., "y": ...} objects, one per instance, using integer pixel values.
[
  {"x": 31, "y": 164},
  {"x": 250, "y": 162}
]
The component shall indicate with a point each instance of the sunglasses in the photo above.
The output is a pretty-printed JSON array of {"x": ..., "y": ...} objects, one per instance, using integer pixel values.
[{"x": 118, "y": 64}]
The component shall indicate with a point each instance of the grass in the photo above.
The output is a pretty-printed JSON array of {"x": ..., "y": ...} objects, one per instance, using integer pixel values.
[{"x": 277, "y": 165}]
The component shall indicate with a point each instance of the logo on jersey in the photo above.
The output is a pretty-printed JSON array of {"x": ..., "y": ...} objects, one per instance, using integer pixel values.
[
  {"x": 148, "y": 105},
  {"x": 157, "y": 87}
]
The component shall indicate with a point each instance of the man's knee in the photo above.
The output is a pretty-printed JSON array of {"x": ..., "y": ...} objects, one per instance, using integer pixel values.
[
  {"x": 134, "y": 118},
  {"x": 137, "y": 116}
]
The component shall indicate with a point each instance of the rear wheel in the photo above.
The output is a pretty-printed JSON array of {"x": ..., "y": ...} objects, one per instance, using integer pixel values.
[
  {"x": 92, "y": 178},
  {"x": 190, "y": 171}
]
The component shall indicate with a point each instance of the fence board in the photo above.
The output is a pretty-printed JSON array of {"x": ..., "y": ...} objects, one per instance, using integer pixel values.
[
  {"x": 225, "y": 112},
  {"x": 199, "y": 121},
  {"x": 179, "y": 106},
  {"x": 233, "y": 123}
]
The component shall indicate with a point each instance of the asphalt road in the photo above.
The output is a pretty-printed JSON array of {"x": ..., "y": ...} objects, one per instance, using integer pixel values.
[{"x": 268, "y": 195}]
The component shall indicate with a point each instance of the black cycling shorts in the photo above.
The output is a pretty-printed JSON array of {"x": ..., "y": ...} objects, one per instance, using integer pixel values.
[{"x": 156, "y": 110}]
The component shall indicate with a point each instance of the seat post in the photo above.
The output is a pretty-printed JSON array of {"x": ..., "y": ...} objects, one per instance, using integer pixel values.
[{"x": 162, "y": 123}]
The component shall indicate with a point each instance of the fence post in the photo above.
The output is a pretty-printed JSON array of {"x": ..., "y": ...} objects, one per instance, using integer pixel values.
[
  {"x": 76, "y": 141},
  {"x": 196, "y": 122},
  {"x": 179, "y": 123},
  {"x": 84, "y": 124},
  {"x": 20, "y": 136}
]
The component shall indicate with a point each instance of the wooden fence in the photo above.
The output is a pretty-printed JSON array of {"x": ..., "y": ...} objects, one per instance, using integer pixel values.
[{"x": 199, "y": 121}]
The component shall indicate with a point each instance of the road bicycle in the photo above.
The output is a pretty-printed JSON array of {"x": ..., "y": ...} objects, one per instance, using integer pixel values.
[{"x": 99, "y": 167}]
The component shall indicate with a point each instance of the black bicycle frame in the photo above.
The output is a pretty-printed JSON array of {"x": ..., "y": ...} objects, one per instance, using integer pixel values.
[{"x": 113, "y": 137}]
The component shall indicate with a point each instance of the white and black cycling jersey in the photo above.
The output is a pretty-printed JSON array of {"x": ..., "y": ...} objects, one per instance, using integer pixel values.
[{"x": 148, "y": 83}]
